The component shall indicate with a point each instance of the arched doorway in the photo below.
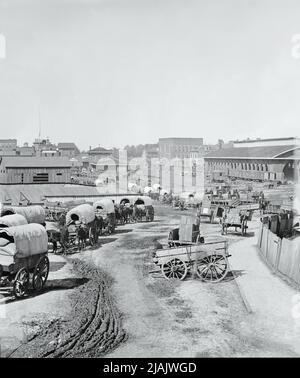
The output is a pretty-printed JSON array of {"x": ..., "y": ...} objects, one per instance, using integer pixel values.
[{"x": 289, "y": 171}]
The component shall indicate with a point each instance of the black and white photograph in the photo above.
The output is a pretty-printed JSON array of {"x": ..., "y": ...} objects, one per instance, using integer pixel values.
[{"x": 149, "y": 181}]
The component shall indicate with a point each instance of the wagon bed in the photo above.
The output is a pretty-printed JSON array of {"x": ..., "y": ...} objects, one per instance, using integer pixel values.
[{"x": 208, "y": 260}]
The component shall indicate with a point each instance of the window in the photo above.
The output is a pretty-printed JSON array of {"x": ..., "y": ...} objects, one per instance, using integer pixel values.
[
  {"x": 41, "y": 177},
  {"x": 58, "y": 174}
]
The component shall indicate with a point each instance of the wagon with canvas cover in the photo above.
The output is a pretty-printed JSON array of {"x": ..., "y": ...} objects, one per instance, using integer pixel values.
[
  {"x": 190, "y": 252},
  {"x": 105, "y": 209},
  {"x": 12, "y": 220},
  {"x": 33, "y": 213},
  {"x": 144, "y": 209},
  {"x": 23, "y": 258},
  {"x": 81, "y": 223}
]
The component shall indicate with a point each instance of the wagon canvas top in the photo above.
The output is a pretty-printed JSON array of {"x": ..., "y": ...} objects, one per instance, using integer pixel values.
[
  {"x": 12, "y": 220},
  {"x": 23, "y": 241},
  {"x": 106, "y": 204},
  {"x": 33, "y": 213},
  {"x": 84, "y": 212}
]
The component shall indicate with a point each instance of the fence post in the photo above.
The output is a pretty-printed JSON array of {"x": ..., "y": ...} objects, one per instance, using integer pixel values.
[{"x": 279, "y": 243}]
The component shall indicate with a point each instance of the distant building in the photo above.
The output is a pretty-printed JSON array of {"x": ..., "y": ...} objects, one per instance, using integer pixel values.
[
  {"x": 43, "y": 145},
  {"x": 98, "y": 153},
  {"x": 264, "y": 160},
  {"x": 8, "y": 147},
  {"x": 26, "y": 150},
  {"x": 49, "y": 153},
  {"x": 151, "y": 151},
  {"x": 181, "y": 148},
  {"x": 68, "y": 149},
  {"x": 29, "y": 170}
]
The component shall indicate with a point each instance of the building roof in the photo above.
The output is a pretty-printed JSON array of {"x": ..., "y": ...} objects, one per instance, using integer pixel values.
[
  {"x": 37, "y": 192},
  {"x": 263, "y": 152},
  {"x": 67, "y": 146},
  {"x": 100, "y": 149},
  {"x": 35, "y": 162},
  {"x": 178, "y": 139},
  {"x": 8, "y": 140},
  {"x": 264, "y": 140}
]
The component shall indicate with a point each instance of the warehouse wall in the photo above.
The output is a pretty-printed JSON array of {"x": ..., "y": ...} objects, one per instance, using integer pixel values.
[
  {"x": 252, "y": 169},
  {"x": 26, "y": 175}
]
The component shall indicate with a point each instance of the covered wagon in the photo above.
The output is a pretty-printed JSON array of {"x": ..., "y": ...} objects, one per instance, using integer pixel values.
[
  {"x": 33, "y": 214},
  {"x": 23, "y": 258},
  {"x": 105, "y": 209},
  {"x": 81, "y": 222},
  {"x": 143, "y": 208},
  {"x": 82, "y": 213},
  {"x": 12, "y": 220}
]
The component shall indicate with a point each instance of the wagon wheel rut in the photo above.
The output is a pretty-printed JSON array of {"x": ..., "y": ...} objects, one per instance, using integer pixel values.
[{"x": 95, "y": 323}]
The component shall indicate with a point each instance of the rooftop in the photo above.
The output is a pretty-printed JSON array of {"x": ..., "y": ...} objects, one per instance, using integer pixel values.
[
  {"x": 180, "y": 139},
  {"x": 100, "y": 149},
  {"x": 35, "y": 162},
  {"x": 269, "y": 152},
  {"x": 264, "y": 140},
  {"x": 67, "y": 146}
]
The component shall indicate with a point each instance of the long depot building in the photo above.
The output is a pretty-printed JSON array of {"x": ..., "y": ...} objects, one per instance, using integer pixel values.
[{"x": 260, "y": 159}]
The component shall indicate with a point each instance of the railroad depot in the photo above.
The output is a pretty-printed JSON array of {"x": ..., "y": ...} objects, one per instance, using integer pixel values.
[{"x": 260, "y": 161}]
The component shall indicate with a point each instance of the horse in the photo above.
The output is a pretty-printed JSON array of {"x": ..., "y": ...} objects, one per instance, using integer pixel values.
[{"x": 82, "y": 235}]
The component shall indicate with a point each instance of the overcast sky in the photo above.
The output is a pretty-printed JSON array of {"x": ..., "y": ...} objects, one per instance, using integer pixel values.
[{"x": 116, "y": 72}]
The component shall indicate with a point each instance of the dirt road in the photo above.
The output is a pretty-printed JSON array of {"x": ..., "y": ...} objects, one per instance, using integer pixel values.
[{"x": 118, "y": 309}]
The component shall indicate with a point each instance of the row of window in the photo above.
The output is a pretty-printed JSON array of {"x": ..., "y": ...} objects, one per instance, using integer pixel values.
[
  {"x": 177, "y": 148},
  {"x": 240, "y": 166}
]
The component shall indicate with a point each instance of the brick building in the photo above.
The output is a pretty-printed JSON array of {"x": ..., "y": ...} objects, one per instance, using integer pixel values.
[{"x": 181, "y": 148}]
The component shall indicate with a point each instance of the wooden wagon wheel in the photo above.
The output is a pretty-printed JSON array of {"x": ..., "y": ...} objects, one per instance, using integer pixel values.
[
  {"x": 212, "y": 268},
  {"x": 174, "y": 269},
  {"x": 21, "y": 283},
  {"x": 40, "y": 273}
]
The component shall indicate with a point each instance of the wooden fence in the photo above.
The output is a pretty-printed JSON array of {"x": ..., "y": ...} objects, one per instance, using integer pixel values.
[{"x": 282, "y": 255}]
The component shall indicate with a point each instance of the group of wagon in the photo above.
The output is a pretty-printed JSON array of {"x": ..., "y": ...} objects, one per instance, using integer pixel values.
[
  {"x": 134, "y": 209},
  {"x": 84, "y": 223}
]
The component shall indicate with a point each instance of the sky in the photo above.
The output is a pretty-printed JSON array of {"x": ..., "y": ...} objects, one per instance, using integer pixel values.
[{"x": 117, "y": 72}]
